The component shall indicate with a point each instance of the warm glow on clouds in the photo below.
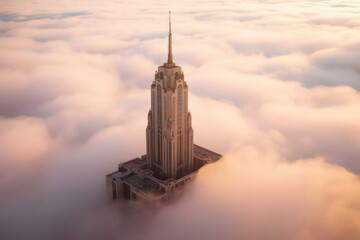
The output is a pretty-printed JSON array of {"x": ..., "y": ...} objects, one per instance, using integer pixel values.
[
  {"x": 263, "y": 197},
  {"x": 274, "y": 86},
  {"x": 25, "y": 146}
]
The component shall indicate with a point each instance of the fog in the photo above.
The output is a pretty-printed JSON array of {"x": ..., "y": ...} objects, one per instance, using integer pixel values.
[{"x": 274, "y": 87}]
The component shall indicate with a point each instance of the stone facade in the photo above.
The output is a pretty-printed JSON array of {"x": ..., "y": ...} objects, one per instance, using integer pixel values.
[{"x": 169, "y": 135}]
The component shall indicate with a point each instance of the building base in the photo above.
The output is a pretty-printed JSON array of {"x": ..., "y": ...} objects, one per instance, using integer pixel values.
[{"x": 134, "y": 181}]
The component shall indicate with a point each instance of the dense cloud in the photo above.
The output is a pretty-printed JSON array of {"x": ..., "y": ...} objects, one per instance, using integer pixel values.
[
  {"x": 274, "y": 87},
  {"x": 262, "y": 197},
  {"x": 25, "y": 146}
]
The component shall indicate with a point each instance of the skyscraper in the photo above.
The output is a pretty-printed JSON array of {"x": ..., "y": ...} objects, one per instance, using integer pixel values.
[
  {"x": 171, "y": 159},
  {"x": 169, "y": 134}
]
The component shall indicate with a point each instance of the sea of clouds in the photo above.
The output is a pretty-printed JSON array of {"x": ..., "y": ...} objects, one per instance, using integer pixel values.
[{"x": 274, "y": 87}]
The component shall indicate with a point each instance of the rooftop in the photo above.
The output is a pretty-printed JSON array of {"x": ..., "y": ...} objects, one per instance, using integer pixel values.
[
  {"x": 143, "y": 184},
  {"x": 118, "y": 176},
  {"x": 205, "y": 154}
]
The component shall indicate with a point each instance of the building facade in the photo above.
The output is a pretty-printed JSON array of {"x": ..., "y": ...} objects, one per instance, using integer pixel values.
[
  {"x": 169, "y": 134},
  {"x": 172, "y": 159}
]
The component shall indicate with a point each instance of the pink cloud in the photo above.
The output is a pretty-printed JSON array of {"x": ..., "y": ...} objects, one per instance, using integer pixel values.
[{"x": 274, "y": 86}]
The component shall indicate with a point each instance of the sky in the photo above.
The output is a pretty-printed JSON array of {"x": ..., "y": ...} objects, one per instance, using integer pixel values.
[{"x": 274, "y": 87}]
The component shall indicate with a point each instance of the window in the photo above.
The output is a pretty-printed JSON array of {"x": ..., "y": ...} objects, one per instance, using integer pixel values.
[
  {"x": 133, "y": 196},
  {"x": 180, "y": 106},
  {"x": 159, "y": 106},
  {"x": 152, "y": 100},
  {"x": 165, "y": 109},
  {"x": 173, "y": 109}
]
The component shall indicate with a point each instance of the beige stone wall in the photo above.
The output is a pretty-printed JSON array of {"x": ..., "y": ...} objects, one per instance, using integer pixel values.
[{"x": 169, "y": 132}]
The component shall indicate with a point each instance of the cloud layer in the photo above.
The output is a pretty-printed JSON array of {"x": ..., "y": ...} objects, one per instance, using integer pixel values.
[{"x": 274, "y": 87}]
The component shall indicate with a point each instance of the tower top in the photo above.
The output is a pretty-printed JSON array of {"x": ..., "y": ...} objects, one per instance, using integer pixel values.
[
  {"x": 170, "y": 62},
  {"x": 170, "y": 56}
]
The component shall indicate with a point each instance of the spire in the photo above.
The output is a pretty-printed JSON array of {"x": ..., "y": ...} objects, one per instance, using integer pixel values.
[{"x": 170, "y": 56}]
